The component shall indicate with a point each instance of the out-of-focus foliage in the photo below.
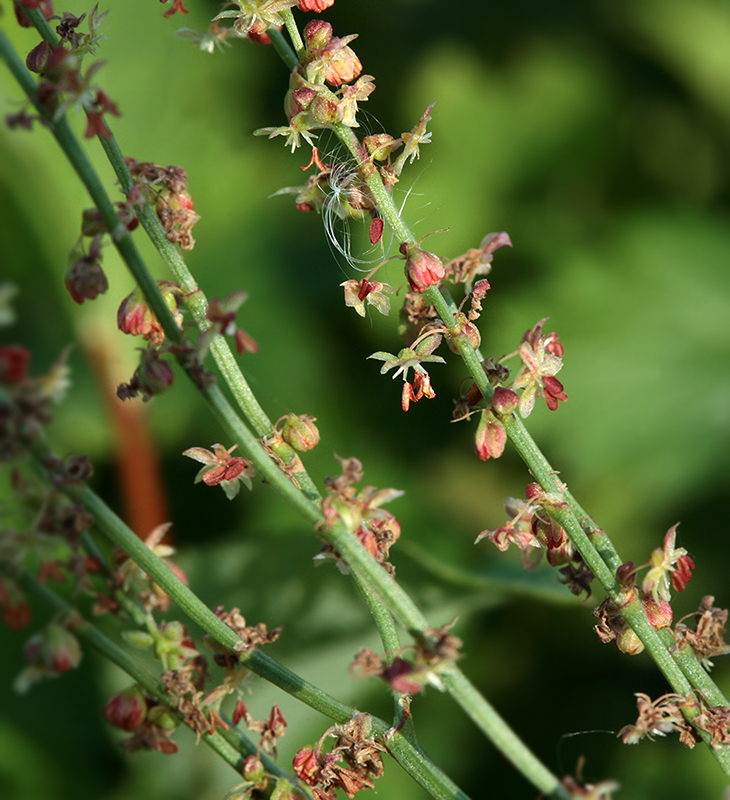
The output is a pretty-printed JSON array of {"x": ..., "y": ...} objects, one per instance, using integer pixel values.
[{"x": 598, "y": 136}]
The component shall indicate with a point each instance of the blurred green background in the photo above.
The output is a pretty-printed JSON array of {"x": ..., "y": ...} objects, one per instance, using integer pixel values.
[{"x": 597, "y": 134}]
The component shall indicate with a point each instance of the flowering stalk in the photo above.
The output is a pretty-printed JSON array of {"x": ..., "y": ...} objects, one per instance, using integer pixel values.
[
  {"x": 603, "y": 562},
  {"x": 231, "y": 745},
  {"x": 595, "y": 548},
  {"x": 413, "y": 761}
]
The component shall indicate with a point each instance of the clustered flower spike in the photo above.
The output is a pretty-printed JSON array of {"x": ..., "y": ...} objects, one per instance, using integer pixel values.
[
  {"x": 660, "y": 717},
  {"x": 63, "y": 84},
  {"x": 476, "y": 261},
  {"x": 708, "y": 638},
  {"x": 435, "y": 654},
  {"x": 255, "y": 16},
  {"x": 51, "y": 651},
  {"x": 166, "y": 188},
  {"x": 132, "y": 579}
]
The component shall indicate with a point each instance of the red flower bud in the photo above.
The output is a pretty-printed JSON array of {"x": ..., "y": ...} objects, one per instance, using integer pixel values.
[
  {"x": 317, "y": 34},
  {"x": 490, "y": 437},
  {"x": 13, "y": 363},
  {"x": 423, "y": 269},
  {"x": 397, "y": 675},
  {"x": 658, "y": 612},
  {"x": 626, "y": 575},
  {"x": 55, "y": 649},
  {"x": 253, "y": 769},
  {"x": 37, "y": 59},
  {"x": 126, "y": 710},
  {"x": 306, "y": 765},
  {"x": 85, "y": 279},
  {"x": 505, "y": 400},
  {"x": 315, "y": 5},
  {"x": 135, "y": 317}
]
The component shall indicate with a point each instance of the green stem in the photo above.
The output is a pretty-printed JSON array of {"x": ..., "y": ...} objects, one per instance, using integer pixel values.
[
  {"x": 290, "y": 58},
  {"x": 502, "y": 735}
]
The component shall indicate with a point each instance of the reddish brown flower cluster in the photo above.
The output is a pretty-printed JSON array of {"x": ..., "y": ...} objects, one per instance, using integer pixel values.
[
  {"x": 660, "y": 717},
  {"x": 361, "y": 513},
  {"x": 50, "y": 652},
  {"x": 150, "y": 723},
  {"x": 154, "y": 374},
  {"x": 352, "y": 764},
  {"x": 133, "y": 580},
  {"x": 63, "y": 83},
  {"x": 476, "y": 261},
  {"x": 533, "y": 530},
  {"x": 250, "y": 635},
  {"x": 437, "y": 651},
  {"x": 43, "y": 536},
  {"x": 185, "y": 677},
  {"x": 167, "y": 189},
  {"x": 270, "y": 730},
  {"x": 708, "y": 638}
]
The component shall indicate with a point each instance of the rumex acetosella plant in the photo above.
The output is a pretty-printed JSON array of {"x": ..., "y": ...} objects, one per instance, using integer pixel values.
[{"x": 77, "y": 579}]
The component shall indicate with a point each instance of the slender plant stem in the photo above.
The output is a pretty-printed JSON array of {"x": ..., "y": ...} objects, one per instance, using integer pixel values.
[
  {"x": 283, "y": 49},
  {"x": 502, "y": 735}
]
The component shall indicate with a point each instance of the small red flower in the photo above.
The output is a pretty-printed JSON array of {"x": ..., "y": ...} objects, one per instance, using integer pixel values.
[
  {"x": 177, "y": 5},
  {"x": 85, "y": 278},
  {"x": 126, "y": 710},
  {"x": 490, "y": 437},
  {"x": 13, "y": 363},
  {"x": 222, "y": 468},
  {"x": 307, "y": 765}
]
